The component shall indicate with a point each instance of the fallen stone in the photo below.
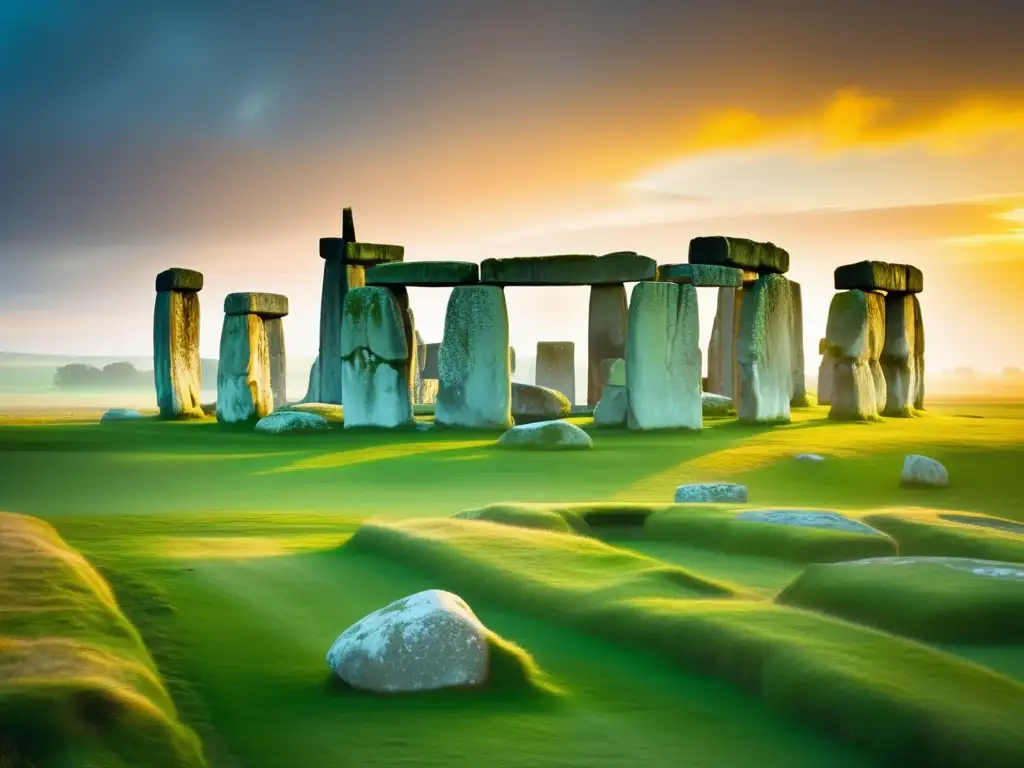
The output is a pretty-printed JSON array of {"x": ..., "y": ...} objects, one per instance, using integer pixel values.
[
  {"x": 530, "y": 403},
  {"x": 375, "y": 365},
  {"x": 556, "y": 367},
  {"x": 179, "y": 279},
  {"x": 716, "y": 405},
  {"x": 473, "y": 362},
  {"x": 291, "y": 422},
  {"x": 711, "y": 493},
  {"x": 372, "y": 254},
  {"x": 331, "y": 412},
  {"x": 243, "y": 375},
  {"x": 739, "y": 253},
  {"x": 424, "y": 642},
  {"x": 810, "y": 457},
  {"x": 546, "y": 435},
  {"x": 177, "y": 372},
  {"x": 612, "y": 268},
  {"x": 922, "y": 472},
  {"x": 764, "y": 352},
  {"x": 799, "y": 396},
  {"x": 663, "y": 360},
  {"x": 871, "y": 276},
  {"x": 266, "y": 305},
  {"x": 612, "y": 409},
  {"x": 808, "y": 519},
  {"x": 120, "y": 414},
  {"x": 606, "y": 334},
  {"x": 702, "y": 275},
  {"x": 425, "y": 274}
]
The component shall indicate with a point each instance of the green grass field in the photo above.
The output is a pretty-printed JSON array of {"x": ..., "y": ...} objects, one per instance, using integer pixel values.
[{"x": 236, "y": 559}]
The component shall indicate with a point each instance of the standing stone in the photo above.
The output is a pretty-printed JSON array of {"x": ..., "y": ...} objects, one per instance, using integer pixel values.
[
  {"x": 243, "y": 375},
  {"x": 826, "y": 373},
  {"x": 764, "y": 352},
  {"x": 430, "y": 352},
  {"x": 556, "y": 367},
  {"x": 176, "y": 368},
  {"x": 799, "y": 398},
  {"x": 899, "y": 357},
  {"x": 313, "y": 388},
  {"x": 606, "y": 335},
  {"x": 856, "y": 334},
  {"x": 475, "y": 386},
  {"x": 723, "y": 373},
  {"x": 376, "y": 375},
  {"x": 919, "y": 355},
  {"x": 663, "y": 359},
  {"x": 274, "y": 328},
  {"x": 339, "y": 277}
]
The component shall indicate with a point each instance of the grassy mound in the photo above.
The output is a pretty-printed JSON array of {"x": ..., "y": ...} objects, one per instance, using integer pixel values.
[
  {"x": 901, "y": 701},
  {"x": 539, "y": 516},
  {"x": 938, "y": 600},
  {"x": 77, "y": 686},
  {"x": 939, "y": 533}
]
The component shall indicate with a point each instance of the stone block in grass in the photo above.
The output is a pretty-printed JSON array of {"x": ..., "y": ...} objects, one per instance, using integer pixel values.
[{"x": 935, "y": 599}]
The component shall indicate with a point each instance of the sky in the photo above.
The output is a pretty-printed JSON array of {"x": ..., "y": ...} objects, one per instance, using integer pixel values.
[{"x": 227, "y": 137}]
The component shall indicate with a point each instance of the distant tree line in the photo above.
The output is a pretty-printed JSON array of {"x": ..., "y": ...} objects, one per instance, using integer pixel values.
[{"x": 120, "y": 375}]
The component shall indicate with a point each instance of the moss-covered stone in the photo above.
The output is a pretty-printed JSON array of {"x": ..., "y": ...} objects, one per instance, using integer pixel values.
[
  {"x": 177, "y": 371},
  {"x": 267, "y": 305},
  {"x": 740, "y": 253},
  {"x": 243, "y": 375},
  {"x": 373, "y": 320},
  {"x": 179, "y": 279},
  {"x": 427, "y": 274},
  {"x": 799, "y": 397},
  {"x": 879, "y": 276},
  {"x": 372, "y": 254},
  {"x": 533, "y": 403},
  {"x": 764, "y": 352},
  {"x": 274, "y": 328},
  {"x": 612, "y": 268},
  {"x": 546, "y": 435},
  {"x": 702, "y": 275}
]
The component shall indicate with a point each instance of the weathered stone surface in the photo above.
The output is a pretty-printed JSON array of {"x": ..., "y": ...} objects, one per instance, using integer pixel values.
[
  {"x": 617, "y": 373},
  {"x": 663, "y": 359},
  {"x": 799, "y": 397},
  {"x": 530, "y": 403},
  {"x": 291, "y": 422},
  {"x": 421, "y": 354},
  {"x": 715, "y": 405},
  {"x": 427, "y": 392},
  {"x": 853, "y": 392},
  {"x": 919, "y": 355},
  {"x": 375, "y": 366},
  {"x": 339, "y": 278},
  {"x": 266, "y": 305},
  {"x": 612, "y": 409},
  {"x": 120, "y": 414},
  {"x": 826, "y": 378},
  {"x": 899, "y": 362},
  {"x": 915, "y": 279},
  {"x": 313, "y": 388},
  {"x": 243, "y": 376},
  {"x": 372, "y": 254},
  {"x": 473, "y": 362},
  {"x": 179, "y": 279},
  {"x": 878, "y": 381},
  {"x": 879, "y": 276},
  {"x": 606, "y": 334},
  {"x": 556, "y": 367},
  {"x": 764, "y": 352},
  {"x": 333, "y": 414},
  {"x": 430, "y": 354},
  {"x": 739, "y": 253},
  {"x": 546, "y": 435},
  {"x": 723, "y": 372},
  {"x": 711, "y": 493},
  {"x": 612, "y": 268},
  {"x": 426, "y": 274},
  {"x": 274, "y": 329},
  {"x": 177, "y": 372},
  {"x": 922, "y": 472},
  {"x": 856, "y": 336},
  {"x": 702, "y": 275},
  {"x": 832, "y": 521},
  {"x": 425, "y": 642}
]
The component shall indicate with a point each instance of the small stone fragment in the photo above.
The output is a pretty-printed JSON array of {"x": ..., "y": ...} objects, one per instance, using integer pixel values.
[
  {"x": 711, "y": 493},
  {"x": 120, "y": 414},
  {"x": 922, "y": 472}
]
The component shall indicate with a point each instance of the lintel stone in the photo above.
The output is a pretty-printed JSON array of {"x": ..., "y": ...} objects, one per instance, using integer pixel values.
[
  {"x": 424, "y": 274},
  {"x": 879, "y": 276},
  {"x": 372, "y": 254},
  {"x": 702, "y": 275},
  {"x": 738, "y": 252},
  {"x": 576, "y": 269},
  {"x": 266, "y": 305},
  {"x": 179, "y": 279}
]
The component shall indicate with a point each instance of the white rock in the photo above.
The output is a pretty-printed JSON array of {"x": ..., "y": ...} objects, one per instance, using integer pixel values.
[
  {"x": 424, "y": 642},
  {"x": 922, "y": 471},
  {"x": 663, "y": 358},
  {"x": 243, "y": 375},
  {"x": 808, "y": 519},
  {"x": 120, "y": 414},
  {"x": 711, "y": 493},
  {"x": 811, "y": 457},
  {"x": 281, "y": 422},
  {"x": 552, "y": 435},
  {"x": 715, "y": 405}
]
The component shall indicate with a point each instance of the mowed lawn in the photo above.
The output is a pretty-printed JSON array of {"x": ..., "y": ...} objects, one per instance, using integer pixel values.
[{"x": 227, "y": 549}]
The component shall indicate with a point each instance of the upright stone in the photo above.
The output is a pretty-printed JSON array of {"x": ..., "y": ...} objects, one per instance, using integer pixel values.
[
  {"x": 430, "y": 352},
  {"x": 723, "y": 374},
  {"x": 376, "y": 372},
  {"x": 606, "y": 334},
  {"x": 556, "y": 367},
  {"x": 899, "y": 359},
  {"x": 919, "y": 353},
  {"x": 764, "y": 352},
  {"x": 176, "y": 368},
  {"x": 826, "y": 373},
  {"x": 243, "y": 376},
  {"x": 475, "y": 386},
  {"x": 799, "y": 397},
  {"x": 274, "y": 328},
  {"x": 663, "y": 360},
  {"x": 339, "y": 277},
  {"x": 855, "y": 336},
  {"x": 313, "y": 388}
]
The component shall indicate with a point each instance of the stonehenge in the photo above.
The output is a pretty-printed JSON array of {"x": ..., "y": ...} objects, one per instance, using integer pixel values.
[
  {"x": 245, "y": 377},
  {"x": 764, "y": 351},
  {"x": 176, "y": 369}
]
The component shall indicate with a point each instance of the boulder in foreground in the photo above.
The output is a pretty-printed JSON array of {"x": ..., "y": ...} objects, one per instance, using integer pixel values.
[
  {"x": 546, "y": 435},
  {"x": 120, "y": 414},
  {"x": 424, "y": 642},
  {"x": 922, "y": 472},
  {"x": 291, "y": 422},
  {"x": 533, "y": 403}
]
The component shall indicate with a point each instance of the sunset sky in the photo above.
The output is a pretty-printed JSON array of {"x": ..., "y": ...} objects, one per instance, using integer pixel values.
[{"x": 227, "y": 137}]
